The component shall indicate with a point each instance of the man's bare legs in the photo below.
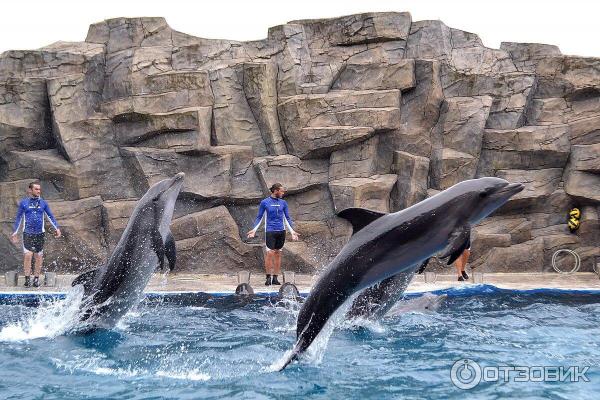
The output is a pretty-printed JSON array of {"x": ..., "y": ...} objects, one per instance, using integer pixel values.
[
  {"x": 461, "y": 263},
  {"x": 269, "y": 265},
  {"x": 27, "y": 263},
  {"x": 276, "y": 262},
  {"x": 268, "y": 262},
  {"x": 39, "y": 258},
  {"x": 272, "y": 266},
  {"x": 276, "y": 266}
]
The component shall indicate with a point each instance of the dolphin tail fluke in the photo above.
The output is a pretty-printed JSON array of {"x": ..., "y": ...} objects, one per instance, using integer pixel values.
[
  {"x": 287, "y": 362},
  {"x": 298, "y": 349},
  {"x": 170, "y": 251}
]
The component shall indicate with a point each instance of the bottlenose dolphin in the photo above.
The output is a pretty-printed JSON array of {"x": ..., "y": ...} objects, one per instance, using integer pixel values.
[
  {"x": 111, "y": 290},
  {"x": 426, "y": 303},
  {"x": 384, "y": 245}
]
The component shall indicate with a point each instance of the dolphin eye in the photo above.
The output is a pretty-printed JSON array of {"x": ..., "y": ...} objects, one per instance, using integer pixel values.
[{"x": 483, "y": 194}]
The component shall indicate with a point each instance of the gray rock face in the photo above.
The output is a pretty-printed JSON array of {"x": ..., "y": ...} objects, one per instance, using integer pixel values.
[
  {"x": 420, "y": 110},
  {"x": 260, "y": 90},
  {"x": 24, "y": 115},
  {"x": 369, "y": 110},
  {"x": 372, "y": 192},
  {"x": 368, "y": 158},
  {"x": 373, "y": 110},
  {"x": 362, "y": 28},
  {"x": 539, "y": 184},
  {"x": 376, "y": 76},
  {"x": 586, "y": 158},
  {"x": 297, "y": 174},
  {"x": 457, "y": 140},
  {"x": 210, "y": 238},
  {"x": 411, "y": 185},
  {"x": 115, "y": 214},
  {"x": 530, "y": 147}
]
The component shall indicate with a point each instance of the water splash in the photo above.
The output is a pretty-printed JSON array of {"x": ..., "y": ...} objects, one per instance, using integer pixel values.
[
  {"x": 314, "y": 354},
  {"x": 360, "y": 322},
  {"x": 316, "y": 351},
  {"x": 53, "y": 318},
  {"x": 100, "y": 364}
]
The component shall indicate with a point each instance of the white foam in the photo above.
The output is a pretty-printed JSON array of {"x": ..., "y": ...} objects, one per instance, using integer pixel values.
[
  {"x": 49, "y": 320},
  {"x": 361, "y": 322},
  {"x": 193, "y": 375},
  {"x": 98, "y": 364}
]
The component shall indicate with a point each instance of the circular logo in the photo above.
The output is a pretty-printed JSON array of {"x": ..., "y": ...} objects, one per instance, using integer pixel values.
[{"x": 465, "y": 374}]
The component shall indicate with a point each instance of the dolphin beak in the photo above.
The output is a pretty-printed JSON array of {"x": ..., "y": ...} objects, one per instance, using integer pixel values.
[
  {"x": 178, "y": 177},
  {"x": 511, "y": 189},
  {"x": 515, "y": 188}
]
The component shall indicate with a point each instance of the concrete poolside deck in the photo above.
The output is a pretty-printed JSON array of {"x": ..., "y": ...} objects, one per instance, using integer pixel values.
[{"x": 177, "y": 283}]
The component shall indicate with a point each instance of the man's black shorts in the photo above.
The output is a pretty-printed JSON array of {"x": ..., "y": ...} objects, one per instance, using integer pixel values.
[
  {"x": 33, "y": 242},
  {"x": 275, "y": 240}
]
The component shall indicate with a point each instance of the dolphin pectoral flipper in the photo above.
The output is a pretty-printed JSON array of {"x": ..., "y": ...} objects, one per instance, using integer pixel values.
[
  {"x": 423, "y": 266},
  {"x": 159, "y": 248},
  {"x": 86, "y": 279},
  {"x": 457, "y": 244},
  {"x": 170, "y": 251},
  {"x": 359, "y": 217}
]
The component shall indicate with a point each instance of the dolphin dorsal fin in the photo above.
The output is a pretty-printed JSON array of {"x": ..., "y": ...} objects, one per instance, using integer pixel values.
[{"x": 359, "y": 217}]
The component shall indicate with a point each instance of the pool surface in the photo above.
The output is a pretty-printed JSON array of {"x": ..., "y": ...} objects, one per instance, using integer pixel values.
[{"x": 205, "y": 346}]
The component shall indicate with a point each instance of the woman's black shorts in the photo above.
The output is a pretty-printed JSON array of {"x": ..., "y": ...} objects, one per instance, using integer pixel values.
[
  {"x": 275, "y": 240},
  {"x": 33, "y": 242}
]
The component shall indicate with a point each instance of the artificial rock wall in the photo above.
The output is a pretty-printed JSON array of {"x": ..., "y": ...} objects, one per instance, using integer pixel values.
[{"x": 371, "y": 110}]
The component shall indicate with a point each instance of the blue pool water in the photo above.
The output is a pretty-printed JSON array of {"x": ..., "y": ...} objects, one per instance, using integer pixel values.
[{"x": 199, "y": 346}]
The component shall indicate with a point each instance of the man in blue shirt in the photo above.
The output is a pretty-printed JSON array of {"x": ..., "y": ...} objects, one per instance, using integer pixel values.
[
  {"x": 275, "y": 210},
  {"x": 31, "y": 214}
]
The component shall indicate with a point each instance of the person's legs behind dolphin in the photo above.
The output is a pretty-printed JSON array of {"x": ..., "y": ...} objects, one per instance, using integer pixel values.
[
  {"x": 276, "y": 266},
  {"x": 461, "y": 263}
]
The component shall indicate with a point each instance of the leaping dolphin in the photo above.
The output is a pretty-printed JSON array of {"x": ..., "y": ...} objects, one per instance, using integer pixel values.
[
  {"x": 110, "y": 291},
  {"x": 384, "y": 245}
]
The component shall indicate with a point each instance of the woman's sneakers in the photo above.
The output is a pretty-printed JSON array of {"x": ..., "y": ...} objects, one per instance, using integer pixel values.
[
  {"x": 27, "y": 281},
  {"x": 465, "y": 275},
  {"x": 275, "y": 281},
  {"x": 268, "y": 281}
]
